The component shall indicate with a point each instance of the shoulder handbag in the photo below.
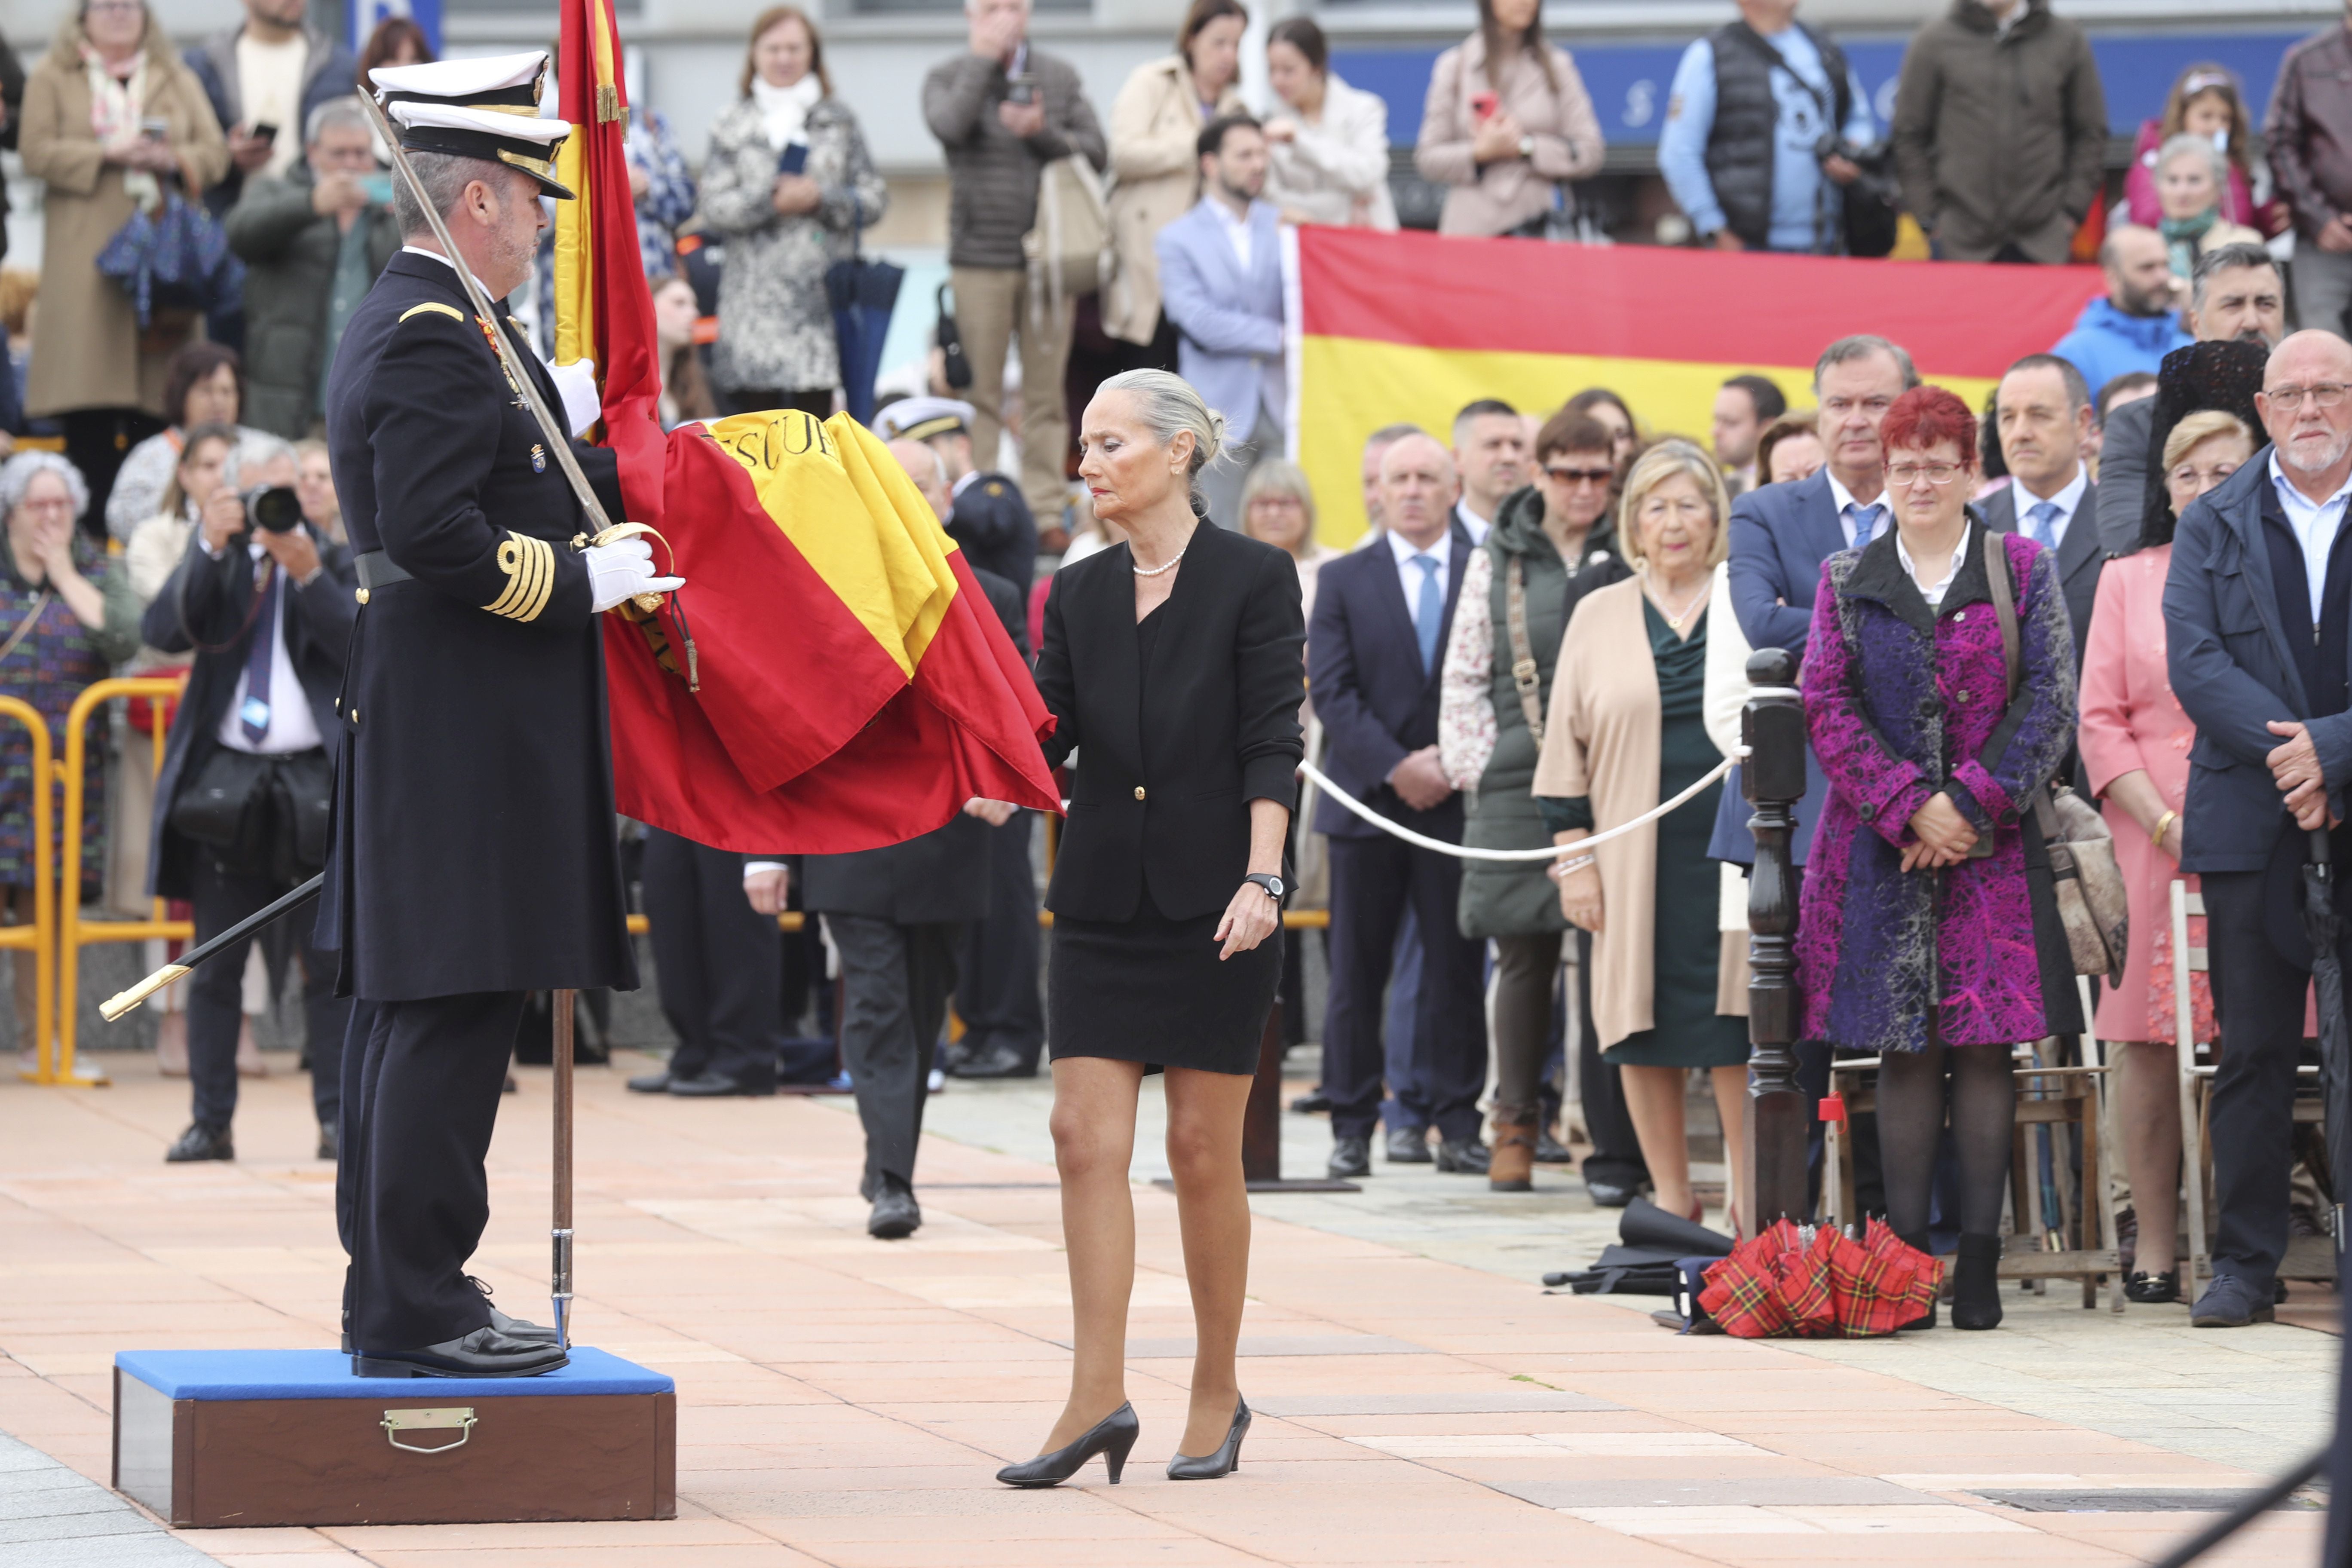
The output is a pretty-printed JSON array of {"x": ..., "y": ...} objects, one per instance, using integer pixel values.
[
  {"x": 1070, "y": 250},
  {"x": 174, "y": 259},
  {"x": 1526, "y": 678},
  {"x": 2088, "y": 883}
]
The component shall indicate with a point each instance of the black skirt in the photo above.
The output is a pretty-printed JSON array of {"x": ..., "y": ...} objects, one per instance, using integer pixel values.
[{"x": 1153, "y": 990}]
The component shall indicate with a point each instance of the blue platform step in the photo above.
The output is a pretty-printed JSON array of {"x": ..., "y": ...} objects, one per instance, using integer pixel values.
[{"x": 290, "y": 1437}]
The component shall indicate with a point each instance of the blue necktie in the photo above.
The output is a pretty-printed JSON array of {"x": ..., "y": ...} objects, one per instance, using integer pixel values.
[
  {"x": 253, "y": 715},
  {"x": 1427, "y": 612},
  {"x": 2042, "y": 514},
  {"x": 1866, "y": 520}
]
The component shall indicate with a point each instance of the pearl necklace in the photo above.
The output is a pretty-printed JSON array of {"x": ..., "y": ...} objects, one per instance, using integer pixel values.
[
  {"x": 1674, "y": 620},
  {"x": 1168, "y": 565}
]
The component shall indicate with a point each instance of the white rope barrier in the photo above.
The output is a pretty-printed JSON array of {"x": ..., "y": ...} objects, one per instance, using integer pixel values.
[{"x": 1462, "y": 852}]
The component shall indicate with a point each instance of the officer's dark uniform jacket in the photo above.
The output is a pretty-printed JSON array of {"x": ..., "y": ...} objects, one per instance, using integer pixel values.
[
  {"x": 474, "y": 848},
  {"x": 992, "y": 524}
]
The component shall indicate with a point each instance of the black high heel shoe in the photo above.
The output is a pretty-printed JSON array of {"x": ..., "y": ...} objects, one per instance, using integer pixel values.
[
  {"x": 1224, "y": 1461},
  {"x": 1112, "y": 1437}
]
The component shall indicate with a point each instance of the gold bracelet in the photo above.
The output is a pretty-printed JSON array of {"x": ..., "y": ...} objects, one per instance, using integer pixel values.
[{"x": 2163, "y": 826}]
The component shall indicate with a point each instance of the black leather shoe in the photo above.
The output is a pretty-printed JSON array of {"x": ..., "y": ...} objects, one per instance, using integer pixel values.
[
  {"x": 1112, "y": 1437},
  {"x": 1407, "y": 1146},
  {"x": 651, "y": 1082},
  {"x": 1314, "y": 1102},
  {"x": 1224, "y": 1461},
  {"x": 2152, "y": 1289},
  {"x": 329, "y": 1147},
  {"x": 485, "y": 1353},
  {"x": 1550, "y": 1150},
  {"x": 1464, "y": 1157},
  {"x": 1351, "y": 1158},
  {"x": 716, "y": 1086},
  {"x": 896, "y": 1214},
  {"x": 2231, "y": 1302},
  {"x": 201, "y": 1142},
  {"x": 513, "y": 1327},
  {"x": 1609, "y": 1193},
  {"x": 993, "y": 1061}
]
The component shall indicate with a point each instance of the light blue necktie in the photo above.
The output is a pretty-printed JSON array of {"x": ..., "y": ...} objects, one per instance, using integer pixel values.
[
  {"x": 2043, "y": 515},
  {"x": 1427, "y": 612},
  {"x": 1866, "y": 520}
]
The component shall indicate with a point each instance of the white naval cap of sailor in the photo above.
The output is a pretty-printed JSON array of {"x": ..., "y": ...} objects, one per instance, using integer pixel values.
[{"x": 485, "y": 108}]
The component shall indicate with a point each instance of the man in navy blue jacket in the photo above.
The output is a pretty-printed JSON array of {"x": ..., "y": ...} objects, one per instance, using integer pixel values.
[
  {"x": 1374, "y": 653},
  {"x": 2258, "y": 611}
]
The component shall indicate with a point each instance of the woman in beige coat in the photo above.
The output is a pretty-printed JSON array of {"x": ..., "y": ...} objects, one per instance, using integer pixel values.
[
  {"x": 1155, "y": 126},
  {"x": 1505, "y": 138},
  {"x": 1627, "y": 730},
  {"x": 111, "y": 73}
]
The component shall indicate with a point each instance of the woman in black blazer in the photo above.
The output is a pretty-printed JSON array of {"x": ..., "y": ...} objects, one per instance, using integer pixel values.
[{"x": 1173, "y": 668}]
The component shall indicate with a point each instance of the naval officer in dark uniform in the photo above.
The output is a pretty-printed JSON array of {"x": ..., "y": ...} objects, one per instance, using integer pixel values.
[{"x": 473, "y": 856}]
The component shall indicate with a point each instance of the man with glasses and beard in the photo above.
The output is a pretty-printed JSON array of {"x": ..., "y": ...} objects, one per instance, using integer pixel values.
[{"x": 2258, "y": 607}]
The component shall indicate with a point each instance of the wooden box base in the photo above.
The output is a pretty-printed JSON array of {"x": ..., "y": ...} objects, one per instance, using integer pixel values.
[{"x": 289, "y": 1438}]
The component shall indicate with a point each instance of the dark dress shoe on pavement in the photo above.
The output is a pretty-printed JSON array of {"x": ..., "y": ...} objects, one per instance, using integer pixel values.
[
  {"x": 1315, "y": 1102},
  {"x": 651, "y": 1082},
  {"x": 1550, "y": 1150},
  {"x": 1407, "y": 1146},
  {"x": 1351, "y": 1158},
  {"x": 1113, "y": 1437},
  {"x": 513, "y": 1327},
  {"x": 896, "y": 1214},
  {"x": 328, "y": 1148},
  {"x": 1464, "y": 1157},
  {"x": 716, "y": 1086},
  {"x": 485, "y": 1353},
  {"x": 2152, "y": 1289},
  {"x": 201, "y": 1142},
  {"x": 1608, "y": 1192},
  {"x": 1223, "y": 1462},
  {"x": 2231, "y": 1302},
  {"x": 994, "y": 1061}
]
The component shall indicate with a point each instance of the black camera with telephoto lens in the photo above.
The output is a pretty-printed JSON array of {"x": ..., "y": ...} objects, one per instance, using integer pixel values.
[{"x": 273, "y": 509}]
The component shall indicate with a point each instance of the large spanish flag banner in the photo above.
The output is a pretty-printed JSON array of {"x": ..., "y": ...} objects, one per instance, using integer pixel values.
[
  {"x": 831, "y": 678},
  {"x": 1409, "y": 326}
]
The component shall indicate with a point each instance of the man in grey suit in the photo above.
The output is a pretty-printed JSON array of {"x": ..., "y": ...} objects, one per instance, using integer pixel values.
[
  {"x": 1221, "y": 283},
  {"x": 2235, "y": 293},
  {"x": 2043, "y": 410}
]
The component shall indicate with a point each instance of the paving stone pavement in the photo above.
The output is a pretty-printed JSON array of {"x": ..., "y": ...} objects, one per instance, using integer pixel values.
[{"x": 842, "y": 1401}]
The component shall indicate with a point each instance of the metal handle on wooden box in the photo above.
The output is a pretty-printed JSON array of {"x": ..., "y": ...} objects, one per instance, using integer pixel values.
[{"x": 458, "y": 1417}]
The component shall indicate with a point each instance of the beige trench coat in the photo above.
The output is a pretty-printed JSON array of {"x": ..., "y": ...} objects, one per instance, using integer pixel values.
[
  {"x": 1155, "y": 133},
  {"x": 1504, "y": 195},
  {"x": 1600, "y": 740},
  {"x": 88, "y": 351}
]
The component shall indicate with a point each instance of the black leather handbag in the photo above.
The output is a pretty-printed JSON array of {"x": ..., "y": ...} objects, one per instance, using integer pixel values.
[{"x": 259, "y": 815}]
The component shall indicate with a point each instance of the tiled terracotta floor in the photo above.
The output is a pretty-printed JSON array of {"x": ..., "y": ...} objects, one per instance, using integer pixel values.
[{"x": 844, "y": 1401}]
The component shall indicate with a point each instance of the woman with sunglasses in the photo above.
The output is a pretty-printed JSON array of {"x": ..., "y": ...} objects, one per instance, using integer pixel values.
[
  {"x": 1544, "y": 535},
  {"x": 1928, "y": 932}
]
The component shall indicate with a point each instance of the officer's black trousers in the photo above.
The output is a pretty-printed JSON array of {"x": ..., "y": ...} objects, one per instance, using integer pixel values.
[
  {"x": 422, "y": 1081},
  {"x": 216, "y": 999},
  {"x": 996, "y": 991},
  {"x": 718, "y": 962},
  {"x": 895, "y": 985}
]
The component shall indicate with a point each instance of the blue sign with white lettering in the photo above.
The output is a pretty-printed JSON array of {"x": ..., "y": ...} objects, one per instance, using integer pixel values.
[{"x": 369, "y": 15}]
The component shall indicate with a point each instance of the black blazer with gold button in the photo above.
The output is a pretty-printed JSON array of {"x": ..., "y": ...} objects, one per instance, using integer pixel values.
[{"x": 1171, "y": 758}]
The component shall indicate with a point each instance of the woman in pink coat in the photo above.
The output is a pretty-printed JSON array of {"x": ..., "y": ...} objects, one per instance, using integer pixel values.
[{"x": 2134, "y": 740}]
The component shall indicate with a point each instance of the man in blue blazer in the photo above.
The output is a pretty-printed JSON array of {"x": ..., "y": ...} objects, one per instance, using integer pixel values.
[
  {"x": 1781, "y": 534},
  {"x": 1374, "y": 652},
  {"x": 2258, "y": 612},
  {"x": 1221, "y": 283}
]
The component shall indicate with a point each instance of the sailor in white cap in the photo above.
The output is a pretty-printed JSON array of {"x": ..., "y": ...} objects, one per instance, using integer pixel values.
[{"x": 472, "y": 857}]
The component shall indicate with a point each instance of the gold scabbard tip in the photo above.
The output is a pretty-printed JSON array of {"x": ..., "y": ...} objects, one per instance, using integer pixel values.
[{"x": 121, "y": 1002}]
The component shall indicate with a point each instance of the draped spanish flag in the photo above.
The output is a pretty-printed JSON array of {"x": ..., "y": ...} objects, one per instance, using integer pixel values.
[
  {"x": 834, "y": 678},
  {"x": 1412, "y": 327}
]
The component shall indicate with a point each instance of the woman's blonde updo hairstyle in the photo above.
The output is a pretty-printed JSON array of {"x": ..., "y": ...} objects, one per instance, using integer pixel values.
[
  {"x": 1168, "y": 404},
  {"x": 1662, "y": 461}
]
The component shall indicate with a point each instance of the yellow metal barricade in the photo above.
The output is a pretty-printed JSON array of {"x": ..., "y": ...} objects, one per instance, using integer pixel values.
[
  {"x": 41, "y": 936},
  {"x": 73, "y": 932}
]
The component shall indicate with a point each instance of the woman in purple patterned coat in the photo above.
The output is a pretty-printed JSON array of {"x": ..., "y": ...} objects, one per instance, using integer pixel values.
[{"x": 1929, "y": 931}]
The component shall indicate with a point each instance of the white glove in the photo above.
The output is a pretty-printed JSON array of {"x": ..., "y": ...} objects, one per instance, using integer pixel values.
[
  {"x": 582, "y": 402},
  {"x": 618, "y": 572}
]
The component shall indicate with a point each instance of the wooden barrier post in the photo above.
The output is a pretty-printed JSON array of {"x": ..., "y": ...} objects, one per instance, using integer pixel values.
[{"x": 1772, "y": 727}]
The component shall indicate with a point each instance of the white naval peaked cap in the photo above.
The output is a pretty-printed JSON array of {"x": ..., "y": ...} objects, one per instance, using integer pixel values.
[
  {"x": 484, "y": 109},
  {"x": 513, "y": 81},
  {"x": 920, "y": 419}
]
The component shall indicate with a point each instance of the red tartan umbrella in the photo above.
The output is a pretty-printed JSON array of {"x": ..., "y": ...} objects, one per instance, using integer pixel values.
[{"x": 1817, "y": 1283}]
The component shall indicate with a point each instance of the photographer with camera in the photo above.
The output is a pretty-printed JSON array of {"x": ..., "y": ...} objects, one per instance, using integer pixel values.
[
  {"x": 267, "y": 606},
  {"x": 1765, "y": 138}
]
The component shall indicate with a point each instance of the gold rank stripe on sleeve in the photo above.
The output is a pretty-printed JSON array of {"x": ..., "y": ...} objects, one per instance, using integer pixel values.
[
  {"x": 530, "y": 566},
  {"x": 449, "y": 310}
]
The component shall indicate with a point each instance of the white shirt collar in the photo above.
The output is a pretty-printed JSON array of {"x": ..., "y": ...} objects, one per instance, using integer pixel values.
[
  {"x": 2067, "y": 500},
  {"x": 436, "y": 256},
  {"x": 1476, "y": 526},
  {"x": 2294, "y": 498},
  {"x": 1933, "y": 596},
  {"x": 1841, "y": 497},
  {"x": 971, "y": 477},
  {"x": 1405, "y": 550}
]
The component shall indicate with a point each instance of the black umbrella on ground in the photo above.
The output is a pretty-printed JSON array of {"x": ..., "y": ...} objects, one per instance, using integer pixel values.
[{"x": 2324, "y": 926}]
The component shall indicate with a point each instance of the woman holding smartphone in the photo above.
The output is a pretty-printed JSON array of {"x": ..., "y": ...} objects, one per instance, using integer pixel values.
[
  {"x": 1507, "y": 125},
  {"x": 788, "y": 184}
]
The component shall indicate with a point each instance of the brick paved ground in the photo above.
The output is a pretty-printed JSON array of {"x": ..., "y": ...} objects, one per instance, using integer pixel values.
[{"x": 844, "y": 1401}]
